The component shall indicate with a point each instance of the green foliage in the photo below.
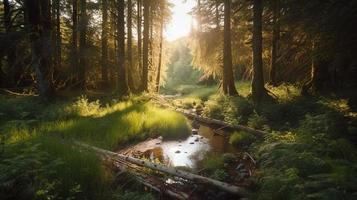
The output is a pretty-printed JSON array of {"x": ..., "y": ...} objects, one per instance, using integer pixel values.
[
  {"x": 187, "y": 103},
  {"x": 213, "y": 162},
  {"x": 220, "y": 174},
  {"x": 134, "y": 196},
  {"x": 234, "y": 110},
  {"x": 44, "y": 164},
  {"x": 258, "y": 122},
  {"x": 240, "y": 138},
  {"x": 29, "y": 170}
]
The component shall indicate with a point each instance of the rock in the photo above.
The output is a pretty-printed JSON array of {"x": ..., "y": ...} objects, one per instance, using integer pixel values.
[
  {"x": 194, "y": 131},
  {"x": 196, "y": 140},
  {"x": 180, "y": 145},
  {"x": 177, "y": 151},
  {"x": 157, "y": 143},
  {"x": 185, "y": 151},
  {"x": 192, "y": 143},
  {"x": 160, "y": 138}
]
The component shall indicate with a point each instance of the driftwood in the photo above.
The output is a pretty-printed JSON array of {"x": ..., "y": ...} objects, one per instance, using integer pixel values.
[
  {"x": 207, "y": 120},
  {"x": 169, "y": 170}
]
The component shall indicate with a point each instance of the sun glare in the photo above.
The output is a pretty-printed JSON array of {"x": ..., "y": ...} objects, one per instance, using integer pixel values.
[{"x": 181, "y": 21}]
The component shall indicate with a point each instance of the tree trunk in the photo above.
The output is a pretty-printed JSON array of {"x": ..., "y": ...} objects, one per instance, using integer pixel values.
[
  {"x": 139, "y": 22},
  {"x": 319, "y": 79},
  {"x": 217, "y": 14},
  {"x": 258, "y": 90},
  {"x": 58, "y": 35},
  {"x": 146, "y": 46},
  {"x": 228, "y": 79},
  {"x": 275, "y": 42},
  {"x": 105, "y": 42},
  {"x": 39, "y": 20},
  {"x": 11, "y": 52},
  {"x": 160, "y": 52},
  {"x": 129, "y": 47},
  {"x": 83, "y": 44},
  {"x": 74, "y": 49},
  {"x": 122, "y": 78}
]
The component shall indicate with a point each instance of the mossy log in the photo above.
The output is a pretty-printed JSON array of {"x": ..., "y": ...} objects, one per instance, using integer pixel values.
[{"x": 206, "y": 120}]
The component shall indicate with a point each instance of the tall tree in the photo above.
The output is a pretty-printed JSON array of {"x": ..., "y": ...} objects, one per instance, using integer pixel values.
[
  {"x": 105, "y": 41},
  {"x": 139, "y": 22},
  {"x": 228, "y": 79},
  {"x": 58, "y": 35},
  {"x": 82, "y": 44},
  {"x": 160, "y": 49},
  {"x": 146, "y": 46},
  {"x": 122, "y": 77},
  {"x": 11, "y": 52},
  {"x": 74, "y": 45},
  {"x": 129, "y": 46},
  {"x": 275, "y": 42},
  {"x": 258, "y": 90},
  {"x": 40, "y": 27}
]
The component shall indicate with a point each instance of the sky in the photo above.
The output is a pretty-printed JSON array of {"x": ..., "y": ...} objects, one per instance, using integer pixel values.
[{"x": 181, "y": 21}]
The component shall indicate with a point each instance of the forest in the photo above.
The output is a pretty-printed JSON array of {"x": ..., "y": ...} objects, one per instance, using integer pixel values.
[{"x": 178, "y": 99}]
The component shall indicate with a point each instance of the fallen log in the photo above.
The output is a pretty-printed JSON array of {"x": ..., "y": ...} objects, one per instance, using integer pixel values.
[
  {"x": 171, "y": 171},
  {"x": 174, "y": 194},
  {"x": 207, "y": 120}
]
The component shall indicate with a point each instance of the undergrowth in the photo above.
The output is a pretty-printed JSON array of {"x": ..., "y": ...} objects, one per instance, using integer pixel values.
[{"x": 39, "y": 160}]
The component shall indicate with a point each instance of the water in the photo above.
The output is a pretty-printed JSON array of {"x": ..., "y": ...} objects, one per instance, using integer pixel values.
[{"x": 187, "y": 152}]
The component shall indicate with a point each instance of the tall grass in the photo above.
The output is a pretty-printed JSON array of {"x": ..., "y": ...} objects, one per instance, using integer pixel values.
[{"x": 78, "y": 174}]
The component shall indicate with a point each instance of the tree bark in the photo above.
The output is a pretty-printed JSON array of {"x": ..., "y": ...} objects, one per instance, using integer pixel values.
[
  {"x": 160, "y": 51},
  {"x": 146, "y": 46},
  {"x": 319, "y": 78},
  {"x": 82, "y": 45},
  {"x": 58, "y": 35},
  {"x": 129, "y": 47},
  {"x": 122, "y": 78},
  {"x": 258, "y": 90},
  {"x": 105, "y": 42},
  {"x": 275, "y": 42},
  {"x": 14, "y": 70},
  {"x": 139, "y": 23},
  {"x": 74, "y": 49},
  {"x": 39, "y": 20},
  {"x": 228, "y": 79}
]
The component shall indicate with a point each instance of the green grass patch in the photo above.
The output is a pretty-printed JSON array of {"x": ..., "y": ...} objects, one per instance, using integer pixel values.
[{"x": 38, "y": 144}]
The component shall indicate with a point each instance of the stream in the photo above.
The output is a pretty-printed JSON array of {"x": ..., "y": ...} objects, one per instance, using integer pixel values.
[{"x": 187, "y": 152}]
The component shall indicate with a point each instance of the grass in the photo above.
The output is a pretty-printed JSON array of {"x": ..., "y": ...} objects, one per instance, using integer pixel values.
[{"x": 64, "y": 171}]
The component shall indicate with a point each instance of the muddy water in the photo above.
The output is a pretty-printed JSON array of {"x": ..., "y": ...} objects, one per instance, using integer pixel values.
[{"x": 192, "y": 150}]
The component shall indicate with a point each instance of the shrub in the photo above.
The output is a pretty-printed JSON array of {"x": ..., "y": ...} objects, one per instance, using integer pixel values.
[
  {"x": 213, "y": 162},
  {"x": 258, "y": 122},
  {"x": 240, "y": 138}
]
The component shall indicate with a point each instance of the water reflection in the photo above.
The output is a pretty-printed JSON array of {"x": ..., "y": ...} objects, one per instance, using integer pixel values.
[{"x": 185, "y": 153}]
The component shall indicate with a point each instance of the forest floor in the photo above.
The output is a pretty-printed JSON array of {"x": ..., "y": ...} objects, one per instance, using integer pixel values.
[{"x": 309, "y": 153}]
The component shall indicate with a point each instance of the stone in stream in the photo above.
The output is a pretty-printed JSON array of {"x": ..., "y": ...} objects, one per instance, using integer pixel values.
[
  {"x": 196, "y": 140},
  {"x": 177, "y": 151},
  {"x": 192, "y": 143},
  {"x": 194, "y": 131}
]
